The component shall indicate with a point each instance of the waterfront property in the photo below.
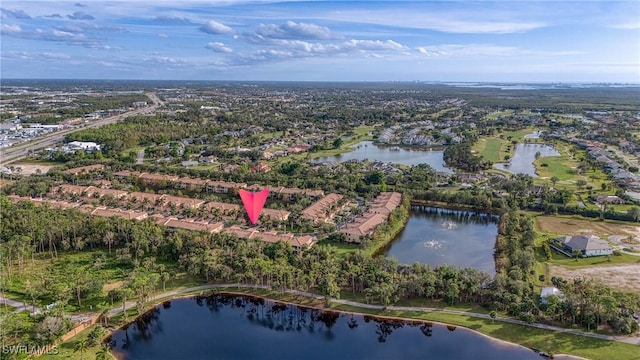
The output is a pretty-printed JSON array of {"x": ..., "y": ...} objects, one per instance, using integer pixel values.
[
  {"x": 367, "y": 150},
  {"x": 378, "y": 212},
  {"x": 196, "y": 328},
  {"x": 584, "y": 245}
]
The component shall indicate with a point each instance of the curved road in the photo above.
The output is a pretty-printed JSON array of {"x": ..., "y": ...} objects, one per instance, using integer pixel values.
[{"x": 629, "y": 340}]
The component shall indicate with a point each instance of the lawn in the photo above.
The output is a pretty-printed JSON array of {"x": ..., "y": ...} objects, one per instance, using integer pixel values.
[
  {"x": 497, "y": 114},
  {"x": 543, "y": 340},
  {"x": 342, "y": 248},
  {"x": 66, "y": 349},
  {"x": 495, "y": 148},
  {"x": 558, "y": 166},
  {"x": 490, "y": 149}
]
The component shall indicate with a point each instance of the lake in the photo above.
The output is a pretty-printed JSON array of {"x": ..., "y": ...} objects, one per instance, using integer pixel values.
[
  {"x": 367, "y": 150},
  {"x": 234, "y": 327},
  {"x": 524, "y": 156},
  {"x": 438, "y": 236}
]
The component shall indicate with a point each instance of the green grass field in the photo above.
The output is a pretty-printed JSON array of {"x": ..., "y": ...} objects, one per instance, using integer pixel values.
[
  {"x": 495, "y": 148},
  {"x": 497, "y": 114},
  {"x": 543, "y": 340}
]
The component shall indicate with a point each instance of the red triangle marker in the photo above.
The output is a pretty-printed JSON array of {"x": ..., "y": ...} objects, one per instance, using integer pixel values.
[{"x": 253, "y": 203}]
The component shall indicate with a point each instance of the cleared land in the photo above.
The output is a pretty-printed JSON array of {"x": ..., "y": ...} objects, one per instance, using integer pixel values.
[
  {"x": 620, "y": 277},
  {"x": 621, "y": 272},
  {"x": 30, "y": 169},
  {"x": 573, "y": 226}
]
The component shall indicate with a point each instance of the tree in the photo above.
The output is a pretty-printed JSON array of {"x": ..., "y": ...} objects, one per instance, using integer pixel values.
[
  {"x": 95, "y": 336},
  {"x": 634, "y": 213},
  {"x": 554, "y": 180},
  {"x": 103, "y": 353},
  {"x": 337, "y": 143},
  {"x": 81, "y": 347},
  {"x": 577, "y": 253},
  {"x": 493, "y": 315},
  {"x": 329, "y": 288},
  {"x": 581, "y": 183}
]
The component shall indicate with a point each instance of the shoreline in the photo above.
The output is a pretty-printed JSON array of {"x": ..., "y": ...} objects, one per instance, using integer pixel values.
[{"x": 321, "y": 307}]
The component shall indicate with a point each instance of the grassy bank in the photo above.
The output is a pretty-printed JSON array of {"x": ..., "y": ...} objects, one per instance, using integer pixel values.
[
  {"x": 385, "y": 233},
  {"x": 543, "y": 340}
]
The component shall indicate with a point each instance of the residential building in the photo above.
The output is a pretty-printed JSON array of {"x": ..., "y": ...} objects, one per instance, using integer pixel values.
[
  {"x": 586, "y": 245},
  {"x": 548, "y": 291},
  {"x": 323, "y": 209}
]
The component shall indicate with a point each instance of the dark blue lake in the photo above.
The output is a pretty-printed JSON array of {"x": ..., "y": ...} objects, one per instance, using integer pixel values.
[{"x": 234, "y": 327}]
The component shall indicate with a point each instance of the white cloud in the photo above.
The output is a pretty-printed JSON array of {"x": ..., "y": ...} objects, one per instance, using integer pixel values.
[
  {"x": 281, "y": 49},
  {"x": 55, "y": 56},
  {"x": 15, "y": 13},
  {"x": 10, "y": 29},
  {"x": 472, "y": 50},
  {"x": 632, "y": 25},
  {"x": 163, "y": 36},
  {"x": 172, "y": 20},
  {"x": 445, "y": 21},
  {"x": 293, "y": 30},
  {"x": 55, "y": 35},
  {"x": 219, "y": 47},
  {"x": 215, "y": 28},
  {"x": 80, "y": 15}
]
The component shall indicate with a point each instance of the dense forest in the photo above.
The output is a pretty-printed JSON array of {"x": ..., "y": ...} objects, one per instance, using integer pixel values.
[{"x": 144, "y": 253}]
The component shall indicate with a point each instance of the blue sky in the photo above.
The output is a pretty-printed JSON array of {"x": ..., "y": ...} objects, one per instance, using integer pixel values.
[{"x": 514, "y": 41}]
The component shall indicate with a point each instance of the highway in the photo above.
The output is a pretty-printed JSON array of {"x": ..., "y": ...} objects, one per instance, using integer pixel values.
[{"x": 22, "y": 150}]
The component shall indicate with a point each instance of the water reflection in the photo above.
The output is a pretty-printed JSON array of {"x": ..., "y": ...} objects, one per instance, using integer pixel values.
[
  {"x": 367, "y": 150},
  {"x": 239, "y": 327},
  {"x": 437, "y": 236},
  {"x": 524, "y": 156}
]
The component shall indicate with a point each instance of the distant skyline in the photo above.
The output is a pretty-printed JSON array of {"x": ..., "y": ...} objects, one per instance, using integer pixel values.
[{"x": 480, "y": 41}]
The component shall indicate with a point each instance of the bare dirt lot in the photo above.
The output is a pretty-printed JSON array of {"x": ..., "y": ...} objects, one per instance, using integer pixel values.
[
  {"x": 568, "y": 226},
  {"x": 620, "y": 277},
  {"x": 30, "y": 169}
]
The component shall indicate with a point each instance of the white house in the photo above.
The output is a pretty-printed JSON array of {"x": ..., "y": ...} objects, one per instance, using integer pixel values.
[
  {"x": 588, "y": 245},
  {"x": 84, "y": 145},
  {"x": 547, "y": 291}
]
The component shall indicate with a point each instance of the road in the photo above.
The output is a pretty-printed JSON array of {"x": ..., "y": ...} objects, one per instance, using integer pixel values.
[
  {"x": 22, "y": 150},
  {"x": 22, "y": 306},
  {"x": 634, "y": 340},
  {"x": 140, "y": 158}
]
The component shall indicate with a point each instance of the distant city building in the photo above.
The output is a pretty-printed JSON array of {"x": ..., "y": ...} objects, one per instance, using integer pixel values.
[{"x": 87, "y": 146}]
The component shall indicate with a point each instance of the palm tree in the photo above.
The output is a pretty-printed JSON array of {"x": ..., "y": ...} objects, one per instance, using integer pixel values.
[
  {"x": 81, "y": 347},
  {"x": 103, "y": 353},
  {"x": 577, "y": 253}
]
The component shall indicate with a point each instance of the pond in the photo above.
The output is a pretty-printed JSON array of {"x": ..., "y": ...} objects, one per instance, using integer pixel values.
[
  {"x": 367, "y": 150},
  {"x": 524, "y": 156},
  {"x": 234, "y": 327},
  {"x": 437, "y": 236}
]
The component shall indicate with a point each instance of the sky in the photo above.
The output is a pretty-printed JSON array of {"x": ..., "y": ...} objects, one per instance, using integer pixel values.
[{"x": 478, "y": 41}]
